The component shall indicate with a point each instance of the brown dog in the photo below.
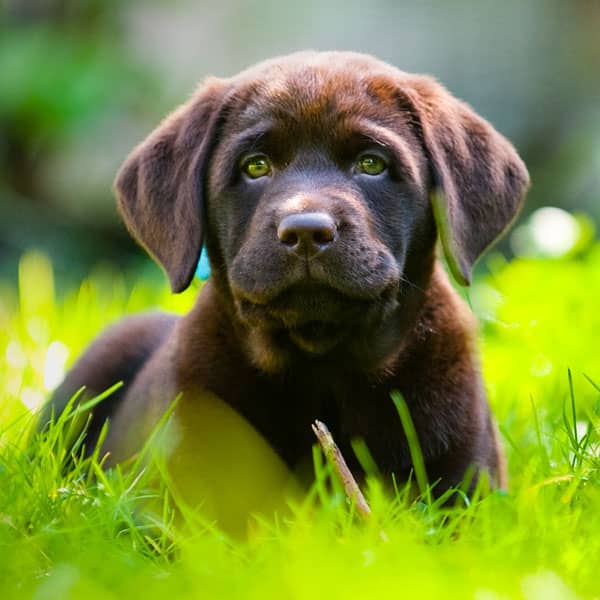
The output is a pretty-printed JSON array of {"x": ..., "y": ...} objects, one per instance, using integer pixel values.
[{"x": 319, "y": 184}]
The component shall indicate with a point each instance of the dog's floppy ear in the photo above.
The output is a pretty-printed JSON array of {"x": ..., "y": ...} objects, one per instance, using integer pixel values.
[
  {"x": 160, "y": 186},
  {"x": 478, "y": 181}
]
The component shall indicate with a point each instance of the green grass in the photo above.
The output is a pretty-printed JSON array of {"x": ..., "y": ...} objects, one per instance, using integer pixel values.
[{"x": 88, "y": 533}]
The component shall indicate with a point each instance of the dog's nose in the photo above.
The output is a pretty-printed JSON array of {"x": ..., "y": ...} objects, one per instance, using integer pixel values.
[{"x": 307, "y": 233}]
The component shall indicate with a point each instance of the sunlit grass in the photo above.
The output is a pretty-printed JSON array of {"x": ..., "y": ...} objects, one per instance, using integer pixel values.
[{"x": 84, "y": 532}]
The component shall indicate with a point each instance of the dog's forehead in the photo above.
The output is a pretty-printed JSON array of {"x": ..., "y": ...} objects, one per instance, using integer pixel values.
[{"x": 317, "y": 88}]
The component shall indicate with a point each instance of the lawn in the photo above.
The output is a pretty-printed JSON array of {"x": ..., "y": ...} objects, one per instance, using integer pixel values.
[{"x": 83, "y": 532}]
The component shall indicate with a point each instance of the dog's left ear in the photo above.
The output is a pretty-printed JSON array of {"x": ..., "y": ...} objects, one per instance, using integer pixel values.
[
  {"x": 160, "y": 186},
  {"x": 478, "y": 181}
]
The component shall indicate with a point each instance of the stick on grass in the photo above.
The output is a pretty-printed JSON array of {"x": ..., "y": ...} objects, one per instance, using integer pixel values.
[{"x": 336, "y": 459}]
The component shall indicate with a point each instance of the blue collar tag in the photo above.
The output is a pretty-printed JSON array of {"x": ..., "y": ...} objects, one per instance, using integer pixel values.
[{"x": 203, "y": 268}]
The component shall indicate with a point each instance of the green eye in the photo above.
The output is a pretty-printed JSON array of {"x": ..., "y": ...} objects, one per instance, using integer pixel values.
[
  {"x": 371, "y": 164},
  {"x": 257, "y": 166}
]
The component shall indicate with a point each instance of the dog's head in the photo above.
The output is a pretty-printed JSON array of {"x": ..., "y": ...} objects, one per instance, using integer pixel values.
[{"x": 319, "y": 183}]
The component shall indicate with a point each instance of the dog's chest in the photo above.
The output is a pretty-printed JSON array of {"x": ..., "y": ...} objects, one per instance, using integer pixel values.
[{"x": 283, "y": 411}]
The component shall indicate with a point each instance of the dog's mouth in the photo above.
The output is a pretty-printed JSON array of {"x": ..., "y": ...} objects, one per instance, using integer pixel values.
[
  {"x": 317, "y": 337},
  {"x": 315, "y": 319}
]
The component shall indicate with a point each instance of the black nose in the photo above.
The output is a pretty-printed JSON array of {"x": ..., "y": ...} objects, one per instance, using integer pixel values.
[{"x": 307, "y": 233}]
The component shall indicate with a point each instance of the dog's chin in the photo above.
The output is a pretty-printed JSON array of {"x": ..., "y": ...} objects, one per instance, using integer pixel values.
[{"x": 312, "y": 319}]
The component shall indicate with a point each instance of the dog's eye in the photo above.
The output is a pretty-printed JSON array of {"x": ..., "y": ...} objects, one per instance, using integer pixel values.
[
  {"x": 256, "y": 166},
  {"x": 371, "y": 164}
]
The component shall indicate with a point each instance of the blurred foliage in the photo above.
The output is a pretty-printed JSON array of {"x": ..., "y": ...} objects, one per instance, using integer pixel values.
[
  {"x": 64, "y": 71},
  {"x": 54, "y": 84}
]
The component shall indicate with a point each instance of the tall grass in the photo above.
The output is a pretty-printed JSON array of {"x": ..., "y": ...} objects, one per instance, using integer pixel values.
[{"x": 69, "y": 529}]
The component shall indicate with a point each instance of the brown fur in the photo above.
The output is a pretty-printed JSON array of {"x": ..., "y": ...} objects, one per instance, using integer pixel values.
[{"x": 282, "y": 339}]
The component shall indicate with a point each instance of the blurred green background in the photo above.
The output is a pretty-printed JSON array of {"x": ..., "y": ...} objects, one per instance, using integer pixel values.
[{"x": 83, "y": 81}]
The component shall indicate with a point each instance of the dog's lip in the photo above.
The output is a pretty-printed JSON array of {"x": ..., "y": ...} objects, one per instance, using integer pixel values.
[
  {"x": 268, "y": 296},
  {"x": 301, "y": 309},
  {"x": 290, "y": 318}
]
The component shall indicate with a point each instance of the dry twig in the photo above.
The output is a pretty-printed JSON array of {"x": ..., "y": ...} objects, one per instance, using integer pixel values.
[{"x": 336, "y": 459}]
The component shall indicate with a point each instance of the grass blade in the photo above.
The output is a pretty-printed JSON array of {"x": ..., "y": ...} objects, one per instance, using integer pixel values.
[{"x": 413, "y": 445}]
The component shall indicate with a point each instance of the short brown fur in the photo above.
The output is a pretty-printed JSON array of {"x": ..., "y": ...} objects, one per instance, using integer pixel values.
[{"x": 284, "y": 338}]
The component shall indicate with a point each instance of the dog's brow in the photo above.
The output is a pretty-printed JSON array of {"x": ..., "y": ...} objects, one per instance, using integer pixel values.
[
  {"x": 248, "y": 138},
  {"x": 245, "y": 141},
  {"x": 395, "y": 143}
]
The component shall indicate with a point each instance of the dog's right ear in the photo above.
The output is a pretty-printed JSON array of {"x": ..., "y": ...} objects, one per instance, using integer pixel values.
[
  {"x": 478, "y": 181},
  {"x": 160, "y": 186}
]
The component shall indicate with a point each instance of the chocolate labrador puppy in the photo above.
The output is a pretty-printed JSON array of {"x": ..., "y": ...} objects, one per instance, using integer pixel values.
[{"x": 319, "y": 184}]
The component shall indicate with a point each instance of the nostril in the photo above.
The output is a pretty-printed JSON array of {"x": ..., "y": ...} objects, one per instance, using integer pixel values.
[
  {"x": 288, "y": 237},
  {"x": 324, "y": 236}
]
